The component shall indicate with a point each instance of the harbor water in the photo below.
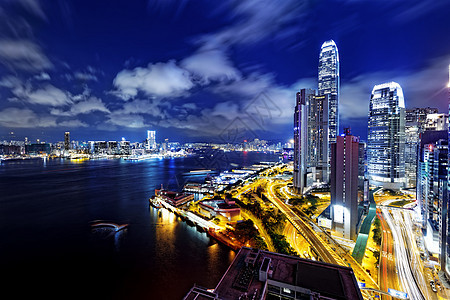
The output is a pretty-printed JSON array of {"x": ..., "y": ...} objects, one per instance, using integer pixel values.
[{"x": 49, "y": 249}]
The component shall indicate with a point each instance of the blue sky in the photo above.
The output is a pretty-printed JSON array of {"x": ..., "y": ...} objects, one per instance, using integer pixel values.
[{"x": 204, "y": 70}]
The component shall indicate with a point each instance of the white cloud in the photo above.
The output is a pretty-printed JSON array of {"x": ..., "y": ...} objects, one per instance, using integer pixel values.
[
  {"x": 48, "y": 95},
  {"x": 158, "y": 80},
  {"x": 83, "y": 107},
  {"x": 211, "y": 65},
  {"x": 42, "y": 76},
  {"x": 153, "y": 107},
  {"x": 255, "y": 20},
  {"x": 73, "y": 123},
  {"x": 23, "y": 54},
  {"x": 34, "y": 7},
  {"x": 84, "y": 76},
  {"x": 24, "y": 118},
  {"x": 10, "y": 82},
  {"x": 126, "y": 120}
]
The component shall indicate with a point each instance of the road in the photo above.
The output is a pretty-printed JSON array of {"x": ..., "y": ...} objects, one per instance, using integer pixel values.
[
  {"x": 262, "y": 232},
  {"x": 387, "y": 269},
  {"x": 297, "y": 241},
  {"x": 404, "y": 252},
  {"x": 329, "y": 253}
]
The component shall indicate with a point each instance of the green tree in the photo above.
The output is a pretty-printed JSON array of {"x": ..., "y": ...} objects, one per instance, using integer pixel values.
[
  {"x": 377, "y": 231},
  {"x": 376, "y": 254},
  {"x": 245, "y": 230}
]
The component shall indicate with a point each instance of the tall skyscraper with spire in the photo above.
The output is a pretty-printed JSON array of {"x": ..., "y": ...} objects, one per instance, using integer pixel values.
[
  {"x": 386, "y": 136},
  {"x": 329, "y": 85}
]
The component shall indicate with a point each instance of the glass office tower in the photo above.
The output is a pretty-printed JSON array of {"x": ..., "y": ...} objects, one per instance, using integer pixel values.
[
  {"x": 386, "y": 137},
  {"x": 446, "y": 214},
  {"x": 329, "y": 85},
  {"x": 151, "y": 140},
  {"x": 301, "y": 138}
]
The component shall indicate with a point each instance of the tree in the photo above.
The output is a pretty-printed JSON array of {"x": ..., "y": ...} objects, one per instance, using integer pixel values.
[
  {"x": 245, "y": 230},
  {"x": 377, "y": 231},
  {"x": 376, "y": 254}
]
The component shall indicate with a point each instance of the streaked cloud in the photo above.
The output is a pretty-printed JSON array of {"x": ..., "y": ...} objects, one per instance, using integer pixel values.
[
  {"x": 24, "y": 118},
  {"x": 92, "y": 104},
  {"x": 72, "y": 123},
  {"x": 47, "y": 95},
  {"x": 23, "y": 55}
]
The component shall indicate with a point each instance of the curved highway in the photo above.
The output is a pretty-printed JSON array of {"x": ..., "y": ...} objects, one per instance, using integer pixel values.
[{"x": 321, "y": 247}]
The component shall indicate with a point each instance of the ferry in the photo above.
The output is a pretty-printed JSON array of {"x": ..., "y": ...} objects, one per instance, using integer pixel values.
[{"x": 200, "y": 171}]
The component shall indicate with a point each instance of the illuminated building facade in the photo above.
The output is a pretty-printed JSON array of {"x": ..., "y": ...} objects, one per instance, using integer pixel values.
[
  {"x": 151, "y": 140},
  {"x": 416, "y": 119},
  {"x": 436, "y": 121},
  {"x": 386, "y": 137},
  {"x": 301, "y": 138},
  {"x": 432, "y": 184},
  {"x": 67, "y": 141},
  {"x": 344, "y": 185},
  {"x": 445, "y": 226},
  {"x": 329, "y": 85},
  {"x": 318, "y": 138}
]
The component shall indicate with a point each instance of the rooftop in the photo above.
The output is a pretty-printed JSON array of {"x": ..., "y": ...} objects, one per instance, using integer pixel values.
[{"x": 296, "y": 276}]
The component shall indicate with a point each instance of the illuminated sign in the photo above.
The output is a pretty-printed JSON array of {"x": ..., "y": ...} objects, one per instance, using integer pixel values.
[{"x": 398, "y": 294}]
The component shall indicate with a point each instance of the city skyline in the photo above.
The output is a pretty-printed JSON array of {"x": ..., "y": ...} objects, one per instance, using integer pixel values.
[{"x": 189, "y": 70}]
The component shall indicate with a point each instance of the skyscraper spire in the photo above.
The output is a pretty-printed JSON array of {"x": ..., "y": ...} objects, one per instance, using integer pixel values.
[{"x": 329, "y": 85}]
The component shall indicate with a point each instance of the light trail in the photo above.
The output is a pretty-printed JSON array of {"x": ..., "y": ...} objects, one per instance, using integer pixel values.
[
  {"x": 319, "y": 245},
  {"x": 414, "y": 256},
  {"x": 405, "y": 273}
]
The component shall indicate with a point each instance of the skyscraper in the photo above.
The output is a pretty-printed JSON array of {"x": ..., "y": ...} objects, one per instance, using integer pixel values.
[
  {"x": 416, "y": 119},
  {"x": 431, "y": 183},
  {"x": 301, "y": 138},
  {"x": 386, "y": 137},
  {"x": 445, "y": 226},
  {"x": 151, "y": 140},
  {"x": 67, "y": 140},
  {"x": 318, "y": 138},
  {"x": 344, "y": 185},
  {"x": 329, "y": 85}
]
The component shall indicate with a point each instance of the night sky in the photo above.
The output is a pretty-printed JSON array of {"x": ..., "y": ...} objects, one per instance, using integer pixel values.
[{"x": 194, "y": 70}]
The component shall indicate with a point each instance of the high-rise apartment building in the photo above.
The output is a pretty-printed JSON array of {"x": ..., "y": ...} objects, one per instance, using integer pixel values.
[
  {"x": 301, "y": 138},
  {"x": 67, "y": 141},
  {"x": 329, "y": 85},
  {"x": 344, "y": 185},
  {"x": 386, "y": 137},
  {"x": 151, "y": 140}
]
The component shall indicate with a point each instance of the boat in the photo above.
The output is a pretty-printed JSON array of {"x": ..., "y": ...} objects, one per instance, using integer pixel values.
[{"x": 200, "y": 171}]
